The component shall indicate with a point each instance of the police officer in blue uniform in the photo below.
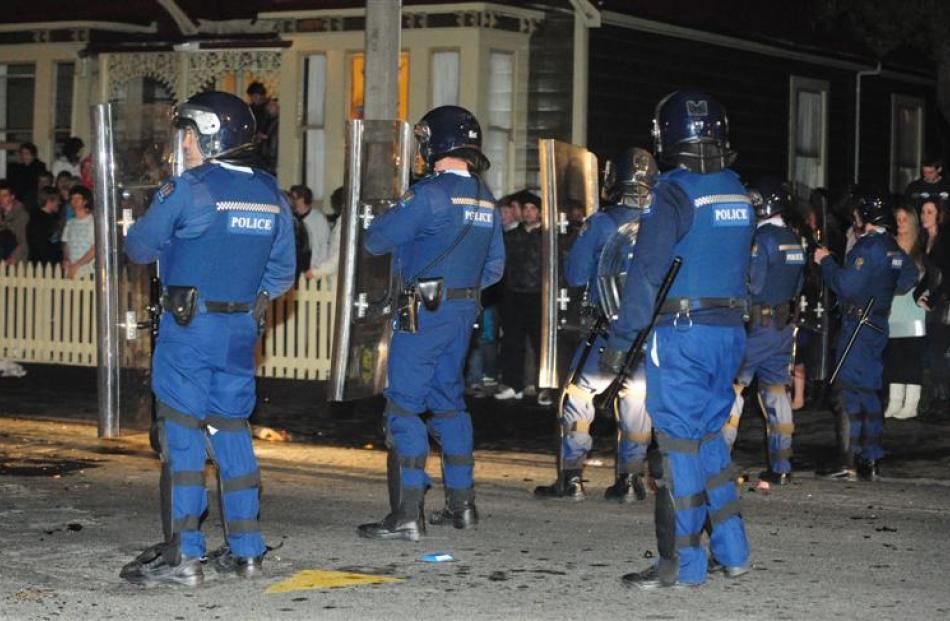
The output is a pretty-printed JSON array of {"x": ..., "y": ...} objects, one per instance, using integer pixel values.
[
  {"x": 629, "y": 180},
  {"x": 875, "y": 268},
  {"x": 701, "y": 213},
  {"x": 446, "y": 240},
  {"x": 223, "y": 233},
  {"x": 776, "y": 274}
]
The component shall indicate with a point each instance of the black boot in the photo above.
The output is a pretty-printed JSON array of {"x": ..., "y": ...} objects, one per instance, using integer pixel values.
[
  {"x": 660, "y": 576},
  {"x": 225, "y": 562},
  {"x": 868, "y": 470},
  {"x": 406, "y": 523},
  {"x": 461, "y": 517},
  {"x": 627, "y": 488},
  {"x": 775, "y": 478},
  {"x": 569, "y": 485},
  {"x": 163, "y": 564}
]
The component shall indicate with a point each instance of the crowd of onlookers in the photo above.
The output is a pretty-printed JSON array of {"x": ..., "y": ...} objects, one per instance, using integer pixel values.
[{"x": 45, "y": 214}]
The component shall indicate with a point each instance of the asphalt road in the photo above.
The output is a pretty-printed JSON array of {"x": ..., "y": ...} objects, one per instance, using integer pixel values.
[{"x": 73, "y": 509}]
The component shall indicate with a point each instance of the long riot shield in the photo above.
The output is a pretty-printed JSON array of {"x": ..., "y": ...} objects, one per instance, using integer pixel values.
[
  {"x": 569, "y": 195},
  {"x": 132, "y": 147},
  {"x": 378, "y": 160}
]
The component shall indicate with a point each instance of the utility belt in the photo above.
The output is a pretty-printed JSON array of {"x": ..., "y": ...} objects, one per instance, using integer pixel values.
[
  {"x": 427, "y": 293},
  {"x": 684, "y": 306},
  {"x": 778, "y": 316},
  {"x": 854, "y": 312},
  {"x": 182, "y": 302}
]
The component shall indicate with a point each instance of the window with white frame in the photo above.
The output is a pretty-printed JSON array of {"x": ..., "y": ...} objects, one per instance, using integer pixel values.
[
  {"x": 314, "y": 131},
  {"x": 444, "y": 77},
  {"x": 497, "y": 138},
  {"x": 17, "y": 88},
  {"x": 808, "y": 133},
  {"x": 907, "y": 140},
  {"x": 63, "y": 103}
]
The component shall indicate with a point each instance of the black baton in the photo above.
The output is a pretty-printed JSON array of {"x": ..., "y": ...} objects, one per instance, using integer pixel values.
[
  {"x": 863, "y": 321},
  {"x": 632, "y": 359}
]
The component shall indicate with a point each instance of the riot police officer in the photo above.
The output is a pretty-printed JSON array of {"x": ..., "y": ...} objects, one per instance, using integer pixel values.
[
  {"x": 875, "y": 268},
  {"x": 446, "y": 239},
  {"x": 224, "y": 236},
  {"x": 775, "y": 278},
  {"x": 702, "y": 214},
  {"x": 628, "y": 185}
]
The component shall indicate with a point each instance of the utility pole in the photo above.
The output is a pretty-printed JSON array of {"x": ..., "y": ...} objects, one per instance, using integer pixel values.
[{"x": 383, "y": 35}]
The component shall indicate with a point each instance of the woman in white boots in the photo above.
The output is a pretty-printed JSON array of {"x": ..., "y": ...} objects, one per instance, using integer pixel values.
[{"x": 904, "y": 357}]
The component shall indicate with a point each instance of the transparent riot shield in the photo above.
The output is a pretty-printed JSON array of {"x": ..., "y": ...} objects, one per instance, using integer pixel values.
[
  {"x": 569, "y": 194},
  {"x": 378, "y": 160},
  {"x": 132, "y": 146}
]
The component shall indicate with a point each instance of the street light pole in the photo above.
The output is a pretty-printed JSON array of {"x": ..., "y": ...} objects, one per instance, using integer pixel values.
[{"x": 383, "y": 33}]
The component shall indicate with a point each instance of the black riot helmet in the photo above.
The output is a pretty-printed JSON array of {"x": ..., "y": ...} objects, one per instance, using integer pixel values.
[
  {"x": 691, "y": 129},
  {"x": 771, "y": 196},
  {"x": 223, "y": 123},
  {"x": 876, "y": 208},
  {"x": 451, "y": 131},
  {"x": 629, "y": 178}
]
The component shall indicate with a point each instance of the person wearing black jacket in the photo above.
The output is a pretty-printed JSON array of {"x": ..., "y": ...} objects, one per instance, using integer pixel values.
[
  {"x": 45, "y": 229},
  {"x": 521, "y": 299},
  {"x": 934, "y": 295}
]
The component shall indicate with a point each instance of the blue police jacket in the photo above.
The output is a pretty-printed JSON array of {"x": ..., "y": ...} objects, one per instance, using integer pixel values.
[
  {"x": 226, "y": 230},
  {"x": 777, "y": 267},
  {"x": 429, "y": 218},
  {"x": 876, "y": 267},
  {"x": 580, "y": 268},
  {"x": 706, "y": 220}
]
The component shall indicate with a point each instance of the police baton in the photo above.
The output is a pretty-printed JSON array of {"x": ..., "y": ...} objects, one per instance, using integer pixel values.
[
  {"x": 598, "y": 329},
  {"x": 863, "y": 321},
  {"x": 632, "y": 359}
]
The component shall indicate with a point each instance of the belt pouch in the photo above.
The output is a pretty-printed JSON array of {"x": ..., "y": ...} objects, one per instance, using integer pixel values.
[
  {"x": 181, "y": 303},
  {"x": 430, "y": 290}
]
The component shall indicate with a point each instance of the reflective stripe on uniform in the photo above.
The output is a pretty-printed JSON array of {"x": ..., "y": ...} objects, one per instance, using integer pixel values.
[
  {"x": 581, "y": 426},
  {"x": 246, "y": 481},
  {"x": 689, "y": 541},
  {"x": 728, "y": 475},
  {"x": 573, "y": 390},
  {"x": 693, "y": 501},
  {"x": 418, "y": 462},
  {"x": 458, "y": 460},
  {"x": 241, "y": 527},
  {"x": 179, "y": 418},
  {"x": 194, "y": 478},
  {"x": 724, "y": 512},
  {"x": 637, "y": 436},
  {"x": 669, "y": 444},
  {"x": 782, "y": 429},
  {"x": 224, "y": 423},
  {"x": 189, "y": 522}
]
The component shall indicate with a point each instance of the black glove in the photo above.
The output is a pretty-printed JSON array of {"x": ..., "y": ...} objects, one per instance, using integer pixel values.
[{"x": 611, "y": 360}]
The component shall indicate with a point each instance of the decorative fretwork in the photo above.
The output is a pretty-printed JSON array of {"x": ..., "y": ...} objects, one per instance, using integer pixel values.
[
  {"x": 160, "y": 66},
  {"x": 206, "y": 67}
]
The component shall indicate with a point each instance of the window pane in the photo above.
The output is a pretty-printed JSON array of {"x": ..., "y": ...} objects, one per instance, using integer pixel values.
[
  {"x": 315, "y": 93},
  {"x": 810, "y": 124},
  {"x": 16, "y": 108},
  {"x": 908, "y": 133},
  {"x": 445, "y": 79},
  {"x": 496, "y": 148},
  {"x": 313, "y": 160},
  {"x": 500, "y": 87},
  {"x": 62, "y": 116}
]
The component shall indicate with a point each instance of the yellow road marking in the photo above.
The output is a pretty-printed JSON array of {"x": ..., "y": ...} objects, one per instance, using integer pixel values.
[{"x": 326, "y": 579}]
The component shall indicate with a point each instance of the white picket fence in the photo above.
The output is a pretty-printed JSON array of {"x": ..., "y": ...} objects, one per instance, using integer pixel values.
[{"x": 47, "y": 318}]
